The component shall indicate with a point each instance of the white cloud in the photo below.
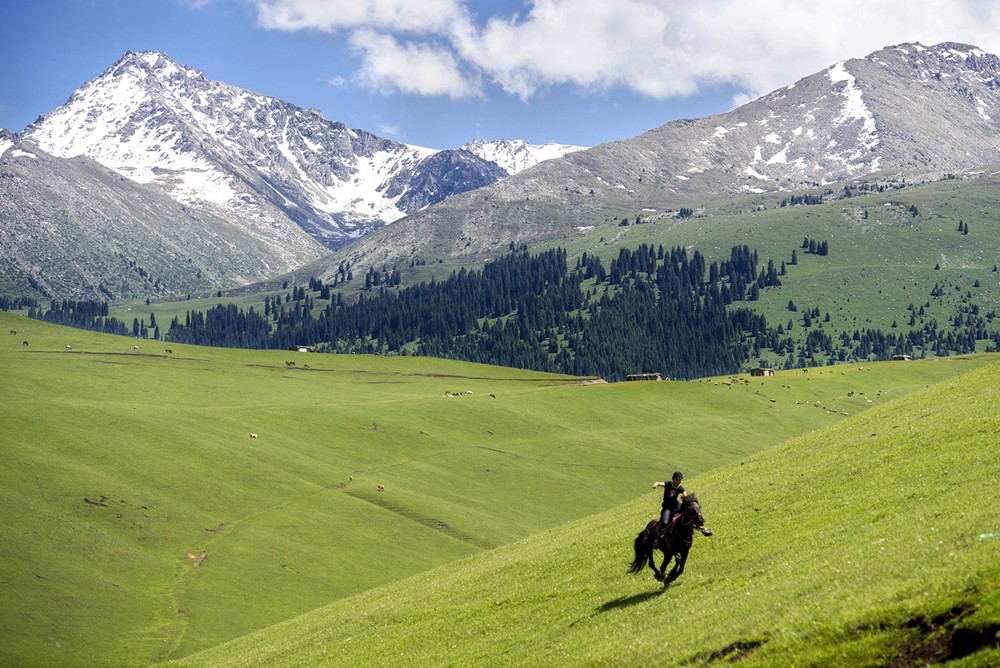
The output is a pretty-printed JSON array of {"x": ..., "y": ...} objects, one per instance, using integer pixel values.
[
  {"x": 418, "y": 68},
  {"x": 389, "y": 130},
  {"x": 589, "y": 43},
  {"x": 659, "y": 48},
  {"x": 427, "y": 16}
]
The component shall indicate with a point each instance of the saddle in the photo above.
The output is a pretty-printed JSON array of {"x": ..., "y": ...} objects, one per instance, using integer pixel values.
[
  {"x": 667, "y": 527},
  {"x": 662, "y": 530}
]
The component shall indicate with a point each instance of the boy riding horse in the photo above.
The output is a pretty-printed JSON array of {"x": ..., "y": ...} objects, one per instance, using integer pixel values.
[{"x": 673, "y": 496}]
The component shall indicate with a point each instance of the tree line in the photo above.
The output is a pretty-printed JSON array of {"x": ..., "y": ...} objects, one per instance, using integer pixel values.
[{"x": 649, "y": 309}]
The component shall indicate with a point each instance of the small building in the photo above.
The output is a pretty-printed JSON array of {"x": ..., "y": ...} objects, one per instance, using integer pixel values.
[
  {"x": 761, "y": 371},
  {"x": 902, "y": 358},
  {"x": 301, "y": 349},
  {"x": 644, "y": 376}
]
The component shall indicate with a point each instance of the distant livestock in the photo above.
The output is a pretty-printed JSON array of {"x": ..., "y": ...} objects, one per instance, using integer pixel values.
[
  {"x": 69, "y": 347},
  {"x": 24, "y": 343},
  {"x": 381, "y": 487},
  {"x": 253, "y": 435},
  {"x": 13, "y": 331},
  {"x": 169, "y": 351},
  {"x": 135, "y": 347}
]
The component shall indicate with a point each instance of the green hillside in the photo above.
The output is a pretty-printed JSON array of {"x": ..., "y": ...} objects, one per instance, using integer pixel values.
[
  {"x": 142, "y": 522},
  {"x": 887, "y": 250},
  {"x": 916, "y": 265},
  {"x": 872, "y": 542}
]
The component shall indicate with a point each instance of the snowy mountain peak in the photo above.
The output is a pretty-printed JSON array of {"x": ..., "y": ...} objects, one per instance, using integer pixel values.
[
  {"x": 855, "y": 117},
  {"x": 247, "y": 156},
  {"x": 153, "y": 63},
  {"x": 516, "y": 155}
]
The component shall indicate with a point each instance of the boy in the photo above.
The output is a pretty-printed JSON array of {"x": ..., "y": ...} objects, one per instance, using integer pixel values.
[{"x": 673, "y": 494}]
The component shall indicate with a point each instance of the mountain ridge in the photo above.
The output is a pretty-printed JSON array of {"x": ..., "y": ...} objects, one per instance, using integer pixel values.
[
  {"x": 250, "y": 156},
  {"x": 905, "y": 109},
  {"x": 73, "y": 228},
  {"x": 259, "y": 167},
  {"x": 274, "y": 170}
]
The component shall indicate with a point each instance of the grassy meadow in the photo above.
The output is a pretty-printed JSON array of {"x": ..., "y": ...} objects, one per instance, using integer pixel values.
[
  {"x": 871, "y": 542},
  {"x": 142, "y": 523}
]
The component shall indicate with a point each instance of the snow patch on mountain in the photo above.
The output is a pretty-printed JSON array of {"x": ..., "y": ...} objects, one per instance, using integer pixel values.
[
  {"x": 516, "y": 155},
  {"x": 246, "y": 155},
  {"x": 854, "y": 108}
]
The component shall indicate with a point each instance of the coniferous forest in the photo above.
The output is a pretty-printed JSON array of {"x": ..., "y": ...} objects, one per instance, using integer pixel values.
[{"x": 650, "y": 311}]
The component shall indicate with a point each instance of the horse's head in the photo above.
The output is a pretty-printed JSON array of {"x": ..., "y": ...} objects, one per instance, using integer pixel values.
[{"x": 692, "y": 510}]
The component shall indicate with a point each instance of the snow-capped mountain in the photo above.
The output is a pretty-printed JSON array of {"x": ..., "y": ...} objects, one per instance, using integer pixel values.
[
  {"x": 913, "y": 110},
  {"x": 73, "y": 228},
  {"x": 516, "y": 155},
  {"x": 907, "y": 107},
  {"x": 251, "y": 157}
]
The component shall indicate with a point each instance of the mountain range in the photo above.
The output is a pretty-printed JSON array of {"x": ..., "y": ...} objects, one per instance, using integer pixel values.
[
  {"x": 906, "y": 111},
  {"x": 152, "y": 179},
  {"x": 262, "y": 168}
]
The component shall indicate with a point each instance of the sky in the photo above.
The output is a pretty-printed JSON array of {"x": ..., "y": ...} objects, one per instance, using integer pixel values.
[{"x": 439, "y": 73}]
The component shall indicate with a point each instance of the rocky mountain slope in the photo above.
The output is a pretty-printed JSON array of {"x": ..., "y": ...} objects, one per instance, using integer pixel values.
[
  {"x": 236, "y": 183},
  {"x": 249, "y": 157},
  {"x": 239, "y": 186},
  {"x": 906, "y": 109},
  {"x": 73, "y": 228}
]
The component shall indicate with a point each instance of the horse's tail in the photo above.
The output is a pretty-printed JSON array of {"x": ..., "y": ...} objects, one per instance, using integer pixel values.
[{"x": 642, "y": 553}]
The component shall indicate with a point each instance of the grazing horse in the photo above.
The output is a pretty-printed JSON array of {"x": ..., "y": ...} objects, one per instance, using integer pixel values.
[{"x": 674, "y": 540}]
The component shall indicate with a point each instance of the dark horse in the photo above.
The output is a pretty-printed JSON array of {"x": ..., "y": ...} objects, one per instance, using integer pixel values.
[{"x": 674, "y": 540}]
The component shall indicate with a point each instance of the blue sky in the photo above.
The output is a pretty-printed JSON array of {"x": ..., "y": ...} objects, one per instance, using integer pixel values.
[{"x": 438, "y": 73}]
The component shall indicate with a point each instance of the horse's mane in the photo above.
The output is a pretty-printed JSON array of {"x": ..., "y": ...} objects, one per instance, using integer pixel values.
[{"x": 691, "y": 498}]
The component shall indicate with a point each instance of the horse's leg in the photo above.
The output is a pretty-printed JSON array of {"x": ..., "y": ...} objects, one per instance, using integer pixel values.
[
  {"x": 678, "y": 567},
  {"x": 657, "y": 572},
  {"x": 662, "y": 575}
]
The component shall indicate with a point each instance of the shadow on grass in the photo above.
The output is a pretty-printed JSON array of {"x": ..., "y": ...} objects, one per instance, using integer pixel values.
[
  {"x": 626, "y": 601},
  {"x": 623, "y": 602}
]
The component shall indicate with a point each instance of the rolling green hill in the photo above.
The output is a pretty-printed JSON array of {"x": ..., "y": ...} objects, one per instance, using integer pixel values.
[
  {"x": 918, "y": 261},
  {"x": 142, "y": 522},
  {"x": 872, "y": 542}
]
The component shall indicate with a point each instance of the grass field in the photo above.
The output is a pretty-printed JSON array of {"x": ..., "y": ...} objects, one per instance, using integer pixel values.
[
  {"x": 142, "y": 523},
  {"x": 872, "y": 542}
]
